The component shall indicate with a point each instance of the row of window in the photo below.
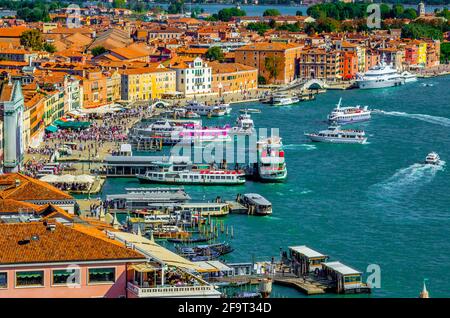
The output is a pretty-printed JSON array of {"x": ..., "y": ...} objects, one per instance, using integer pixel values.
[{"x": 60, "y": 277}]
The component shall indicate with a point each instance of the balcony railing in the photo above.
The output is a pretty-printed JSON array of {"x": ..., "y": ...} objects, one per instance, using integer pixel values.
[{"x": 174, "y": 291}]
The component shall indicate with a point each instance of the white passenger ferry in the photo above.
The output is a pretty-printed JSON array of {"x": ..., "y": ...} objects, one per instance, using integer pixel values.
[
  {"x": 334, "y": 134},
  {"x": 164, "y": 172},
  {"x": 271, "y": 162},
  {"x": 284, "y": 99},
  {"x": 351, "y": 114},
  {"x": 206, "y": 110}
]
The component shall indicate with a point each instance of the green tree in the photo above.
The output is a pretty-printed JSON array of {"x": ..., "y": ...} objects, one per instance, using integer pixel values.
[
  {"x": 50, "y": 48},
  {"x": 299, "y": 13},
  {"x": 397, "y": 10},
  {"x": 271, "y": 13},
  {"x": 119, "y": 4},
  {"x": 445, "y": 52},
  {"x": 215, "y": 53},
  {"x": 98, "y": 50},
  {"x": 227, "y": 13},
  {"x": 421, "y": 31},
  {"x": 32, "y": 39},
  {"x": 409, "y": 13},
  {"x": 176, "y": 6},
  {"x": 259, "y": 27},
  {"x": 272, "y": 65},
  {"x": 261, "y": 80}
]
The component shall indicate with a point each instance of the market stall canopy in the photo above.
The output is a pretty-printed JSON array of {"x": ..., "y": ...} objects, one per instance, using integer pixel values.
[
  {"x": 50, "y": 178},
  {"x": 84, "y": 178},
  {"x": 51, "y": 129},
  {"x": 72, "y": 124}
]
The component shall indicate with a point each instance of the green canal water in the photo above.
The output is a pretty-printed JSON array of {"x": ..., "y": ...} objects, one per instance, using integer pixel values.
[{"x": 360, "y": 204}]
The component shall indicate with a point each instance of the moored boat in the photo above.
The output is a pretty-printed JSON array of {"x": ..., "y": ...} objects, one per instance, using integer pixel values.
[{"x": 284, "y": 99}]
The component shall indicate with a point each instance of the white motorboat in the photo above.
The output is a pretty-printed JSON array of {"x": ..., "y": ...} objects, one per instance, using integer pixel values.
[{"x": 432, "y": 159}]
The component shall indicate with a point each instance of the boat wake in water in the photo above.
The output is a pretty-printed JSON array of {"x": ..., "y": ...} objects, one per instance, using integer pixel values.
[
  {"x": 300, "y": 146},
  {"x": 423, "y": 117},
  {"x": 405, "y": 183}
]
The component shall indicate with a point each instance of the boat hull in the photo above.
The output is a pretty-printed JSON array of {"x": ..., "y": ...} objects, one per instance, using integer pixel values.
[
  {"x": 349, "y": 120},
  {"x": 273, "y": 178},
  {"x": 364, "y": 84},
  {"x": 336, "y": 140},
  {"x": 143, "y": 179}
]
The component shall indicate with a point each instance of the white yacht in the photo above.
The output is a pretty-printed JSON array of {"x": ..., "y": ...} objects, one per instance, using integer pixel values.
[
  {"x": 334, "y": 134},
  {"x": 380, "y": 76},
  {"x": 271, "y": 161},
  {"x": 284, "y": 99},
  {"x": 432, "y": 159},
  {"x": 245, "y": 126},
  {"x": 351, "y": 114},
  {"x": 409, "y": 77},
  {"x": 206, "y": 110}
]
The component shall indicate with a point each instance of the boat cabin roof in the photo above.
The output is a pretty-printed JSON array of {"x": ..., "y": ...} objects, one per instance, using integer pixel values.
[
  {"x": 306, "y": 251},
  {"x": 257, "y": 198},
  {"x": 341, "y": 268}
]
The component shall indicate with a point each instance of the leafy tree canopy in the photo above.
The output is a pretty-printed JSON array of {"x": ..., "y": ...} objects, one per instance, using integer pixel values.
[
  {"x": 215, "y": 53},
  {"x": 98, "y": 50},
  {"x": 32, "y": 39},
  {"x": 271, "y": 13}
]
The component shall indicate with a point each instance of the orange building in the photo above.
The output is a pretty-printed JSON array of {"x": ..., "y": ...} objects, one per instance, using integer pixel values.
[
  {"x": 233, "y": 77},
  {"x": 95, "y": 92},
  {"x": 34, "y": 104},
  {"x": 349, "y": 65},
  {"x": 276, "y": 62}
]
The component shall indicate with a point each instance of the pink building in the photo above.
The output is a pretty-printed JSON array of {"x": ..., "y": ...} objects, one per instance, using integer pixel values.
[{"x": 53, "y": 260}]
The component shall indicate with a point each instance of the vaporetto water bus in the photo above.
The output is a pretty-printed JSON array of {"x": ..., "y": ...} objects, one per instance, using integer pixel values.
[
  {"x": 165, "y": 173},
  {"x": 350, "y": 114},
  {"x": 271, "y": 161}
]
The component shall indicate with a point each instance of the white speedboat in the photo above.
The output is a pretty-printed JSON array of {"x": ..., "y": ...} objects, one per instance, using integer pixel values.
[
  {"x": 380, "y": 76},
  {"x": 334, "y": 134},
  {"x": 250, "y": 110},
  {"x": 283, "y": 99},
  {"x": 409, "y": 77},
  {"x": 245, "y": 126},
  {"x": 351, "y": 114},
  {"x": 432, "y": 159}
]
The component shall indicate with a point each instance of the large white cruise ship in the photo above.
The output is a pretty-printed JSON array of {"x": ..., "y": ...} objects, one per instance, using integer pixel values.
[{"x": 380, "y": 76}]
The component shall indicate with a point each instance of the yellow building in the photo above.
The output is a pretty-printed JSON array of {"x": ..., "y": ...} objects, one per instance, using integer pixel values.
[
  {"x": 113, "y": 84},
  {"x": 422, "y": 54},
  {"x": 147, "y": 83},
  {"x": 233, "y": 77},
  {"x": 53, "y": 106}
]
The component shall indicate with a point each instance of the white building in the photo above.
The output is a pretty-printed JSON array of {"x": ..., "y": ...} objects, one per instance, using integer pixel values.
[
  {"x": 193, "y": 76},
  {"x": 12, "y": 108}
]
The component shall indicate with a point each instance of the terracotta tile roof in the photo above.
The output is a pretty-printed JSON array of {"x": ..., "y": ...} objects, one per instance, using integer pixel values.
[
  {"x": 13, "y": 32},
  {"x": 14, "y": 206},
  {"x": 266, "y": 46},
  {"x": 24, "y": 188},
  {"x": 220, "y": 68},
  {"x": 63, "y": 244}
]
